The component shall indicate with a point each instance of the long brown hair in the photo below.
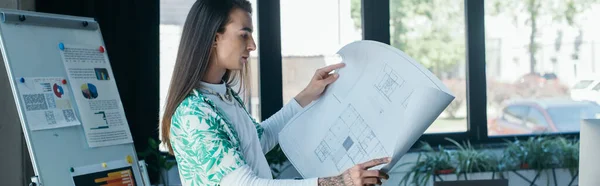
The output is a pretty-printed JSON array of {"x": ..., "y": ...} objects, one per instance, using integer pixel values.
[{"x": 205, "y": 19}]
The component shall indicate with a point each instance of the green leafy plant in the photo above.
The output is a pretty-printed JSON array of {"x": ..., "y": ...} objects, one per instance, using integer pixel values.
[
  {"x": 541, "y": 153},
  {"x": 276, "y": 158},
  {"x": 536, "y": 153},
  {"x": 470, "y": 160},
  {"x": 156, "y": 160},
  {"x": 428, "y": 164},
  {"x": 567, "y": 152}
]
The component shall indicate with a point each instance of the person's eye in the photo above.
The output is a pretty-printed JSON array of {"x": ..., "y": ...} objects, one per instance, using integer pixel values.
[{"x": 245, "y": 35}]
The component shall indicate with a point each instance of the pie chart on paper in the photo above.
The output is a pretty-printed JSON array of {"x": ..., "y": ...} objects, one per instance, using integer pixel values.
[
  {"x": 58, "y": 90},
  {"x": 89, "y": 91}
]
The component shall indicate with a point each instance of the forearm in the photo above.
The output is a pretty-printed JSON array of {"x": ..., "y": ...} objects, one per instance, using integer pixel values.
[
  {"x": 340, "y": 180},
  {"x": 304, "y": 99}
]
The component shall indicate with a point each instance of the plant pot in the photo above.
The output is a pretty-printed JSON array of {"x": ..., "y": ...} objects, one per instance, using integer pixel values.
[
  {"x": 445, "y": 171},
  {"x": 468, "y": 176}
]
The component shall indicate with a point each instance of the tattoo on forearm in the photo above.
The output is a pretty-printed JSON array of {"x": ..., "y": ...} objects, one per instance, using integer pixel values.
[{"x": 342, "y": 180}]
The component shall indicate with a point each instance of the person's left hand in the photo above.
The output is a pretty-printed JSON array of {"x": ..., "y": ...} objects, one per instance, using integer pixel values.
[{"x": 318, "y": 83}]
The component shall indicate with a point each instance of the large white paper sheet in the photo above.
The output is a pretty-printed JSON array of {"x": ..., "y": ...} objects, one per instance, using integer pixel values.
[
  {"x": 96, "y": 95},
  {"x": 381, "y": 104},
  {"x": 47, "y": 103}
]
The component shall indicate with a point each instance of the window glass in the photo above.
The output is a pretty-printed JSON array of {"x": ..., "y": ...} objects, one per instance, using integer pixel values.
[
  {"x": 583, "y": 84},
  {"x": 516, "y": 114},
  {"x": 309, "y": 41},
  {"x": 597, "y": 87},
  {"x": 568, "y": 118},
  {"x": 537, "y": 51},
  {"x": 433, "y": 33},
  {"x": 536, "y": 118}
]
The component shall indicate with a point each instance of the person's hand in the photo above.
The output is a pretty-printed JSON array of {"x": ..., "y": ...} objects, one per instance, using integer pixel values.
[
  {"x": 358, "y": 175},
  {"x": 317, "y": 84}
]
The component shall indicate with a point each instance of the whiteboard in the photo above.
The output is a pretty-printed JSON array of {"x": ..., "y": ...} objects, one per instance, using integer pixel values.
[{"x": 29, "y": 49}]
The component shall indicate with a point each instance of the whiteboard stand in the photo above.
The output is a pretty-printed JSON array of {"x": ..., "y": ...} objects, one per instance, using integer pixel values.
[
  {"x": 589, "y": 164},
  {"x": 29, "y": 44},
  {"x": 144, "y": 172},
  {"x": 34, "y": 181}
]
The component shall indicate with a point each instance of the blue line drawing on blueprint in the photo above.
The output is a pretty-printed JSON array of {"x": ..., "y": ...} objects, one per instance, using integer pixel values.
[
  {"x": 387, "y": 82},
  {"x": 405, "y": 103},
  {"x": 349, "y": 141}
]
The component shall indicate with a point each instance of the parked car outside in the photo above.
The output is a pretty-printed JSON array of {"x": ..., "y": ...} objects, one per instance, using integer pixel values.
[
  {"x": 586, "y": 89},
  {"x": 542, "y": 116}
]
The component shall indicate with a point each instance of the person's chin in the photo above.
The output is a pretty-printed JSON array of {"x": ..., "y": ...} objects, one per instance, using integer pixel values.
[{"x": 237, "y": 67}]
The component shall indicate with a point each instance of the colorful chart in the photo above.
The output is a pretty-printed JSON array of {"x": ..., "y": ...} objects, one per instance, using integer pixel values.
[
  {"x": 101, "y": 74},
  {"x": 58, "y": 90},
  {"x": 114, "y": 177},
  {"x": 89, "y": 91}
]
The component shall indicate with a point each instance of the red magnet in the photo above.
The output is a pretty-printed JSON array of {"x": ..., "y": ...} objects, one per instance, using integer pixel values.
[
  {"x": 101, "y": 49},
  {"x": 64, "y": 81}
]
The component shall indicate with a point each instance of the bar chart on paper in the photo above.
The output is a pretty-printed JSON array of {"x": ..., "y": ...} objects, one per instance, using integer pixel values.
[
  {"x": 117, "y": 178},
  {"x": 113, "y": 177}
]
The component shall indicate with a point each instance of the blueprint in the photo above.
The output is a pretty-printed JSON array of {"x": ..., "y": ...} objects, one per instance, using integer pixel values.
[{"x": 381, "y": 104}]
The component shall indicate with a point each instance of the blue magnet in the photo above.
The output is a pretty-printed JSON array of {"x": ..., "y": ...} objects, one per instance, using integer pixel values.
[
  {"x": 22, "y": 80},
  {"x": 61, "y": 46}
]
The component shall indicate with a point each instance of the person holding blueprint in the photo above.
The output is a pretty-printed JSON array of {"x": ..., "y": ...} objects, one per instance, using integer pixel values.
[{"x": 205, "y": 125}]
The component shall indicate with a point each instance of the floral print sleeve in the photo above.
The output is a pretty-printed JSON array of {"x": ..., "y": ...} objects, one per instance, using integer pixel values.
[{"x": 203, "y": 145}]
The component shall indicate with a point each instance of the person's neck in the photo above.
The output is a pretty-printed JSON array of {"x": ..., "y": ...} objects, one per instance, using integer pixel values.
[{"x": 214, "y": 74}]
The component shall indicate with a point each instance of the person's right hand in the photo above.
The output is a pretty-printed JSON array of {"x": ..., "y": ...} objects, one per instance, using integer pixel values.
[{"x": 358, "y": 175}]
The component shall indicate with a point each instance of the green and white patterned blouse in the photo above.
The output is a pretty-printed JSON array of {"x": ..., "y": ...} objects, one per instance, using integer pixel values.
[{"x": 204, "y": 142}]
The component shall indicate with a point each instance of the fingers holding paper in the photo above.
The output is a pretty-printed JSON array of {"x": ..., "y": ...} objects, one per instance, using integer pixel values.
[
  {"x": 320, "y": 80},
  {"x": 359, "y": 175}
]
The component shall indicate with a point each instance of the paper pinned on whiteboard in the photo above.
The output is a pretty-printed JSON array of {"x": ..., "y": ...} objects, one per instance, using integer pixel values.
[
  {"x": 381, "y": 104},
  {"x": 96, "y": 95},
  {"x": 47, "y": 103},
  {"x": 118, "y": 173}
]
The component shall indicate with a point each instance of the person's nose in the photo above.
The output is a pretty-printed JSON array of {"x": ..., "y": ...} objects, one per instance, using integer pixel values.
[{"x": 251, "y": 45}]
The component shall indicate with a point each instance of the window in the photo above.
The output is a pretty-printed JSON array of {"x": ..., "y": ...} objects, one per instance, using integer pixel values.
[
  {"x": 172, "y": 17},
  {"x": 516, "y": 114},
  {"x": 309, "y": 41},
  {"x": 433, "y": 33},
  {"x": 253, "y": 102},
  {"x": 567, "y": 118},
  {"x": 538, "y": 51},
  {"x": 583, "y": 84},
  {"x": 597, "y": 87},
  {"x": 536, "y": 119}
]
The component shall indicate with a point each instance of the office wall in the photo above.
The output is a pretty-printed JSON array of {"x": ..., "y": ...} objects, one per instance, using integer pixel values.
[{"x": 14, "y": 157}]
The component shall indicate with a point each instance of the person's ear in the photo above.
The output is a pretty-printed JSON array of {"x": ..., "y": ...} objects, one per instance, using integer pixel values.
[{"x": 217, "y": 38}]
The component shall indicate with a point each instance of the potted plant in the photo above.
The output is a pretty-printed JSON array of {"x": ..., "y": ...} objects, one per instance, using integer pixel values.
[
  {"x": 536, "y": 153},
  {"x": 530, "y": 158},
  {"x": 567, "y": 152},
  {"x": 156, "y": 160},
  {"x": 470, "y": 161},
  {"x": 429, "y": 163}
]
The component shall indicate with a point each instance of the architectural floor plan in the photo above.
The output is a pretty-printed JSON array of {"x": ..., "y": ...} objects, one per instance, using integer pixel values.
[{"x": 380, "y": 105}]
